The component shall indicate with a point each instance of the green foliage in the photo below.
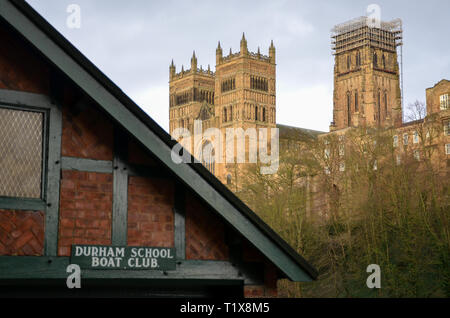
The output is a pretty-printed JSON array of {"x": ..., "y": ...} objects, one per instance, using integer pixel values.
[{"x": 396, "y": 216}]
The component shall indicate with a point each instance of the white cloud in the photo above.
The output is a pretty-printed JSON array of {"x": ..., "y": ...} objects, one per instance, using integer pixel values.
[{"x": 154, "y": 101}]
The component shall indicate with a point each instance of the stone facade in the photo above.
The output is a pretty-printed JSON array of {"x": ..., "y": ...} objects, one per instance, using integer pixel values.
[{"x": 240, "y": 94}]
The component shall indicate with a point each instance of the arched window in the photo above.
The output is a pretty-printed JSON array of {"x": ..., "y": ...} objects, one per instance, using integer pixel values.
[
  {"x": 208, "y": 156},
  {"x": 356, "y": 102},
  {"x": 263, "y": 114},
  {"x": 358, "y": 58},
  {"x": 384, "y": 62},
  {"x": 349, "y": 110},
  {"x": 385, "y": 104},
  {"x": 375, "y": 59},
  {"x": 379, "y": 108},
  {"x": 225, "y": 115},
  {"x": 348, "y": 62},
  {"x": 229, "y": 179}
]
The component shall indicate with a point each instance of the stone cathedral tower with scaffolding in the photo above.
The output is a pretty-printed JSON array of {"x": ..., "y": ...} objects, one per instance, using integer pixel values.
[
  {"x": 240, "y": 94},
  {"x": 367, "y": 74}
]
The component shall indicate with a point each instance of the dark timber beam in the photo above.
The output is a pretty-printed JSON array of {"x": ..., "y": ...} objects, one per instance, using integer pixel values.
[
  {"x": 179, "y": 221},
  {"x": 120, "y": 190},
  {"x": 89, "y": 165},
  {"x": 14, "y": 269}
]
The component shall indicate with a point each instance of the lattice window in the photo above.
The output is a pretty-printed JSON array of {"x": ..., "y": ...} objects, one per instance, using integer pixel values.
[{"x": 21, "y": 153}]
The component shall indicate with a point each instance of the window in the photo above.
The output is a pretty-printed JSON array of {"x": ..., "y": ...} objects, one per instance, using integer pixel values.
[
  {"x": 341, "y": 150},
  {"x": 416, "y": 137},
  {"x": 259, "y": 83},
  {"x": 395, "y": 141},
  {"x": 30, "y": 147},
  {"x": 444, "y": 101},
  {"x": 447, "y": 128},
  {"x": 417, "y": 155},
  {"x": 405, "y": 139},
  {"x": 447, "y": 149},
  {"x": 356, "y": 102},
  {"x": 21, "y": 152},
  {"x": 228, "y": 84},
  {"x": 398, "y": 160},
  {"x": 208, "y": 156},
  {"x": 342, "y": 167}
]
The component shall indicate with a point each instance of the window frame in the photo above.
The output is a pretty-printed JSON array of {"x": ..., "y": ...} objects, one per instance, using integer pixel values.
[
  {"x": 444, "y": 101},
  {"x": 395, "y": 141},
  {"x": 51, "y": 147}
]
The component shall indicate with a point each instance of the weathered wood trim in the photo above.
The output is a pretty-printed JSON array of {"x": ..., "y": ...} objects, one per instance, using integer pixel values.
[
  {"x": 120, "y": 190},
  {"x": 7, "y": 203},
  {"x": 179, "y": 211},
  {"x": 13, "y": 269},
  {"x": 53, "y": 181},
  {"x": 89, "y": 165}
]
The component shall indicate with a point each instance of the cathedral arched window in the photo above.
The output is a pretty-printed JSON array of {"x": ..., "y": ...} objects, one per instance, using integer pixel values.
[
  {"x": 385, "y": 104},
  {"x": 263, "y": 114},
  {"x": 356, "y": 102},
  {"x": 229, "y": 179},
  {"x": 256, "y": 113},
  {"x": 348, "y": 61},
  {"x": 349, "y": 110},
  {"x": 224, "y": 114},
  {"x": 358, "y": 58},
  {"x": 208, "y": 156},
  {"x": 384, "y": 62},
  {"x": 375, "y": 59}
]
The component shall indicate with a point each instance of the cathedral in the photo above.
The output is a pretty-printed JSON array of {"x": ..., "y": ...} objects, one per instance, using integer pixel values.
[{"x": 367, "y": 93}]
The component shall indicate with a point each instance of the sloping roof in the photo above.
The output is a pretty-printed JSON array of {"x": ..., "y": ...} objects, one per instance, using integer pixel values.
[
  {"x": 438, "y": 83},
  {"x": 297, "y": 133},
  {"x": 83, "y": 73}
]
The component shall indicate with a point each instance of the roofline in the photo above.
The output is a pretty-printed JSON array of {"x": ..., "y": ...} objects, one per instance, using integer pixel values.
[
  {"x": 64, "y": 49},
  {"x": 442, "y": 80}
]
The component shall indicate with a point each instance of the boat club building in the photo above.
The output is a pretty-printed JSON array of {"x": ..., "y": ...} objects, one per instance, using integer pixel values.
[{"x": 87, "y": 178}]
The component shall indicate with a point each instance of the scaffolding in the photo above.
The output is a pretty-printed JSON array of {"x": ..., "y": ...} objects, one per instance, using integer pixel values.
[{"x": 358, "y": 32}]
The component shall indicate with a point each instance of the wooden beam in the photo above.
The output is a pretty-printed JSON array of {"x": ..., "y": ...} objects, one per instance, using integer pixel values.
[
  {"x": 179, "y": 221},
  {"x": 89, "y": 165},
  {"x": 53, "y": 181},
  {"x": 14, "y": 269},
  {"x": 22, "y": 204},
  {"x": 120, "y": 190}
]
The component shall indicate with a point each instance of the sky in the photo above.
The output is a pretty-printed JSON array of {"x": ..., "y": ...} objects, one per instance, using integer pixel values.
[{"x": 134, "y": 41}]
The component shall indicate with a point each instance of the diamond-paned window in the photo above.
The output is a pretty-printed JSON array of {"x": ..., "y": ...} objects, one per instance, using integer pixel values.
[{"x": 21, "y": 153}]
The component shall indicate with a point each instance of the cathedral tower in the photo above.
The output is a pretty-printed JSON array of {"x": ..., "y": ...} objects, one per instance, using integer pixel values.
[
  {"x": 240, "y": 94},
  {"x": 366, "y": 74}
]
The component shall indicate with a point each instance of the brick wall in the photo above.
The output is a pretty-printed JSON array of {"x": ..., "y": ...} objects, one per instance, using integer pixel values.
[
  {"x": 269, "y": 289},
  {"x": 19, "y": 68},
  {"x": 21, "y": 233},
  {"x": 85, "y": 209},
  {"x": 150, "y": 212},
  {"x": 205, "y": 236},
  {"x": 86, "y": 134}
]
